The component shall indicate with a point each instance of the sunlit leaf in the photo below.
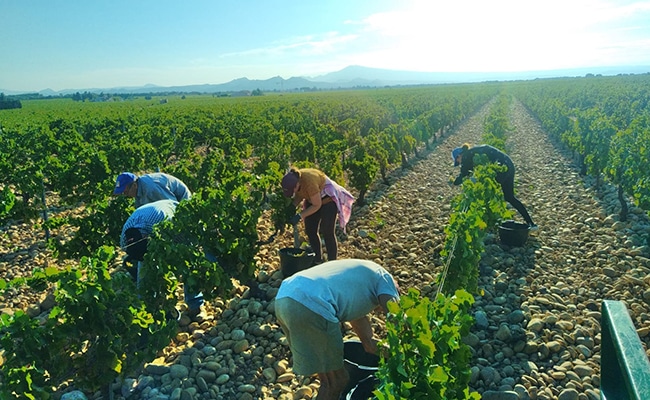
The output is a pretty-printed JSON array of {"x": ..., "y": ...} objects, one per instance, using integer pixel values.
[{"x": 439, "y": 375}]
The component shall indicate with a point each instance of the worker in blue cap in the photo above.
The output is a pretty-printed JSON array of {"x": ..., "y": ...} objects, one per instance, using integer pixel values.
[{"x": 151, "y": 187}]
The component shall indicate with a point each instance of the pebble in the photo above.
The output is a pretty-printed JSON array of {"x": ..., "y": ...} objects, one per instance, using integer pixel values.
[
  {"x": 223, "y": 378},
  {"x": 304, "y": 392},
  {"x": 481, "y": 320},
  {"x": 286, "y": 377},
  {"x": 179, "y": 371},
  {"x": 500, "y": 395},
  {"x": 568, "y": 394},
  {"x": 74, "y": 395}
]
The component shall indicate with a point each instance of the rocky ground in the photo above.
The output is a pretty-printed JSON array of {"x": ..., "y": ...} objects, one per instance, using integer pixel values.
[{"x": 537, "y": 331}]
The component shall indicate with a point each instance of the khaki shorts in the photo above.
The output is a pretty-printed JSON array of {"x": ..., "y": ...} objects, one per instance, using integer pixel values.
[{"x": 316, "y": 343}]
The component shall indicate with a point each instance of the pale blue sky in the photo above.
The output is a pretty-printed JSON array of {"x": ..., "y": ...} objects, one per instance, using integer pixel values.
[{"x": 77, "y": 44}]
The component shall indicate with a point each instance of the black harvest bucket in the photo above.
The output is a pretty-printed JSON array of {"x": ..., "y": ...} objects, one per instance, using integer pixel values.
[
  {"x": 293, "y": 259},
  {"x": 361, "y": 368},
  {"x": 513, "y": 233}
]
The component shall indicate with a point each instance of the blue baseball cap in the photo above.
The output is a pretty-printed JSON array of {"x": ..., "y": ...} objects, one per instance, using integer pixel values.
[
  {"x": 454, "y": 155},
  {"x": 123, "y": 180}
]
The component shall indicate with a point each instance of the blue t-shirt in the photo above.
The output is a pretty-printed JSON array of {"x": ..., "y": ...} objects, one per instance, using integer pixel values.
[
  {"x": 340, "y": 290},
  {"x": 160, "y": 186},
  {"x": 145, "y": 217}
]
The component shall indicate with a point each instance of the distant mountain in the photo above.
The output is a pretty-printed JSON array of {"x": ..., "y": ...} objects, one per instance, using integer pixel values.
[
  {"x": 49, "y": 92},
  {"x": 394, "y": 77},
  {"x": 385, "y": 77},
  {"x": 352, "y": 77}
]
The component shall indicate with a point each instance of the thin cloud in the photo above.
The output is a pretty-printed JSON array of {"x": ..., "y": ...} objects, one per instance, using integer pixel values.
[
  {"x": 616, "y": 11},
  {"x": 311, "y": 45}
]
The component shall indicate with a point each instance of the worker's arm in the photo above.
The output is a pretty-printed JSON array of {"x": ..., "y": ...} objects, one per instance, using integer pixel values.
[{"x": 363, "y": 329}]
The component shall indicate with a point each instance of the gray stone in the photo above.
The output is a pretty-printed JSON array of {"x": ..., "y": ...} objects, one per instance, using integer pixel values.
[
  {"x": 568, "y": 394},
  {"x": 475, "y": 372},
  {"x": 583, "y": 370},
  {"x": 255, "y": 307},
  {"x": 209, "y": 350},
  {"x": 156, "y": 369},
  {"x": 201, "y": 384},
  {"x": 241, "y": 346},
  {"x": 516, "y": 317},
  {"x": 144, "y": 382},
  {"x": 488, "y": 375},
  {"x": 584, "y": 350},
  {"x": 186, "y": 395},
  {"x": 509, "y": 382},
  {"x": 179, "y": 371},
  {"x": 176, "y": 394},
  {"x": 535, "y": 325},
  {"x": 74, "y": 395},
  {"x": 247, "y": 388},
  {"x": 499, "y": 395},
  {"x": 481, "y": 320},
  {"x": 223, "y": 379},
  {"x": 522, "y": 392},
  {"x": 128, "y": 387},
  {"x": 503, "y": 333},
  {"x": 207, "y": 375},
  {"x": 471, "y": 340}
]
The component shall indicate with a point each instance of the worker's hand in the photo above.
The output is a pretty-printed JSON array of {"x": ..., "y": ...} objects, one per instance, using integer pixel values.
[
  {"x": 450, "y": 181},
  {"x": 295, "y": 219},
  {"x": 472, "y": 179}
]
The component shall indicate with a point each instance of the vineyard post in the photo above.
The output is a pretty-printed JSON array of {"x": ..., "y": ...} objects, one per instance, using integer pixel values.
[
  {"x": 296, "y": 236},
  {"x": 43, "y": 200}
]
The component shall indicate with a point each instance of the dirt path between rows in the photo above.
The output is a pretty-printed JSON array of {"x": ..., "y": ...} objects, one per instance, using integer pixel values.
[{"x": 538, "y": 324}]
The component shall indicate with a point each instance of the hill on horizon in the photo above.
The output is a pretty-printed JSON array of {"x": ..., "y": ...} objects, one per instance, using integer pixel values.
[{"x": 354, "y": 76}]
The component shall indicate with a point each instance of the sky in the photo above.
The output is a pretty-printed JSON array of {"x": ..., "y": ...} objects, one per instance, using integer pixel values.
[{"x": 77, "y": 44}]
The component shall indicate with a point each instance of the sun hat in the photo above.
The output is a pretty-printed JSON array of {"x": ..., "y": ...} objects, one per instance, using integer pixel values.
[
  {"x": 454, "y": 155},
  {"x": 123, "y": 180},
  {"x": 289, "y": 182}
]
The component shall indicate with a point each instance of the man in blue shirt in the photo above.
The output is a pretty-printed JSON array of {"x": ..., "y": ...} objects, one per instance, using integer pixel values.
[
  {"x": 151, "y": 187},
  {"x": 135, "y": 236},
  {"x": 310, "y": 306}
]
